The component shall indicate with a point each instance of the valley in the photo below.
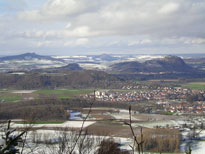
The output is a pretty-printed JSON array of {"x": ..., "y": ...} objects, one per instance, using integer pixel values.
[{"x": 94, "y": 93}]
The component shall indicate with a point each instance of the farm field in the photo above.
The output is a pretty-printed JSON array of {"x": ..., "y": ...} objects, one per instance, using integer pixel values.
[
  {"x": 52, "y": 125},
  {"x": 195, "y": 85},
  {"x": 11, "y": 98},
  {"x": 18, "y": 95},
  {"x": 103, "y": 127},
  {"x": 62, "y": 93}
]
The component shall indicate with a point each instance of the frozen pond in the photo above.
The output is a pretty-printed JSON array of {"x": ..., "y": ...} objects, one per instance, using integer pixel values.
[{"x": 75, "y": 115}]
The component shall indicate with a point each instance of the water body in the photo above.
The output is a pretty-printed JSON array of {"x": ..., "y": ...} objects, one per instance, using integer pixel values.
[{"x": 74, "y": 115}]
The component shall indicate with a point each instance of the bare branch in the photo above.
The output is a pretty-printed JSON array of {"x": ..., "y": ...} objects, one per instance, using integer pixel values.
[
  {"x": 81, "y": 129},
  {"x": 139, "y": 143}
]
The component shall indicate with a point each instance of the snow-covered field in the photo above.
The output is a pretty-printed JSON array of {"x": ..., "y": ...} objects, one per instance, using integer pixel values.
[
  {"x": 93, "y": 66},
  {"x": 18, "y": 73},
  {"x": 123, "y": 116},
  {"x": 197, "y": 148},
  {"x": 156, "y": 123},
  {"x": 200, "y": 148},
  {"x": 67, "y": 124},
  {"x": 23, "y": 91}
]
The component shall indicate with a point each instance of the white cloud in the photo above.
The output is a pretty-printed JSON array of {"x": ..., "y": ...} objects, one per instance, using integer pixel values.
[
  {"x": 161, "y": 18},
  {"x": 114, "y": 24},
  {"x": 68, "y": 25},
  {"x": 139, "y": 42},
  {"x": 82, "y": 41},
  {"x": 78, "y": 32},
  {"x": 45, "y": 44},
  {"x": 58, "y": 9},
  {"x": 77, "y": 42},
  {"x": 193, "y": 40},
  {"x": 169, "y": 8}
]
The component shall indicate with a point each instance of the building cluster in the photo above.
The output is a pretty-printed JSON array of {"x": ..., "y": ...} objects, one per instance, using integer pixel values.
[
  {"x": 195, "y": 108},
  {"x": 165, "y": 93},
  {"x": 168, "y": 99}
]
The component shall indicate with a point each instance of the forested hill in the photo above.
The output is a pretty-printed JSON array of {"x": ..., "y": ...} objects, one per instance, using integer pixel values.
[
  {"x": 166, "y": 64},
  {"x": 26, "y": 56},
  {"x": 69, "y": 67},
  {"x": 71, "y": 79}
]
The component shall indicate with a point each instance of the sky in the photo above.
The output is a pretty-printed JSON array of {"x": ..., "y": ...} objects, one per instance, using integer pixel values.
[{"x": 81, "y": 27}]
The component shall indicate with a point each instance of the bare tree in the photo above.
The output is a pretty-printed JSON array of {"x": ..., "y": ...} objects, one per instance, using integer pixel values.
[
  {"x": 136, "y": 142},
  {"x": 70, "y": 142}
]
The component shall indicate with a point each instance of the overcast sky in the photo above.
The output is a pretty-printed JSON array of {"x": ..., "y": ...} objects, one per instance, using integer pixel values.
[{"x": 75, "y": 27}]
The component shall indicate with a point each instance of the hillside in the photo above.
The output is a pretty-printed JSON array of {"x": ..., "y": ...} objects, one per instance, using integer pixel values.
[
  {"x": 28, "y": 61},
  {"x": 166, "y": 64},
  {"x": 105, "y": 57},
  {"x": 196, "y": 62},
  {"x": 71, "y": 67},
  {"x": 26, "y": 56},
  {"x": 71, "y": 79},
  {"x": 63, "y": 69}
]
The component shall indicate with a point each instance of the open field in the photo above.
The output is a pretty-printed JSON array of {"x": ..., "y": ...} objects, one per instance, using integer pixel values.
[
  {"x": 11, "y": 98},
  {"x": 110, "y": 122},
  {"x": 62, "y": 93},
  {"x": 164, "y": 80},
  {"x": 17, "y": 95},
  {"x": 67, "y": 124},
  {"x": 195, "y": 85}
]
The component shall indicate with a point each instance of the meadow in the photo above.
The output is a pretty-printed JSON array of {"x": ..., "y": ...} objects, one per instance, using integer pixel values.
[
  {"x": 195, "y": 85},
  {"x": 18, "y": 95},
  {"x": 63, "y": 93}
]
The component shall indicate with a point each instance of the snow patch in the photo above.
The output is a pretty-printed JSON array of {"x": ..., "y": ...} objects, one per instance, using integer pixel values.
[
  {"x": 23, "y": 91},
  {"x": 67, "y": 124}
]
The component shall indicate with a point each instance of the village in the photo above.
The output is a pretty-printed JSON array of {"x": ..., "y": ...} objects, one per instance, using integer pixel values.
[{"x": 178, "y": 100}]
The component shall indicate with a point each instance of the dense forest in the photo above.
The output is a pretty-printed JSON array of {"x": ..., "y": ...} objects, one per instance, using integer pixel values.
[
  {"x": 83, "y": 79},
  {"x": 73, "y": 79},
  {"x": 49, "y": 109}
]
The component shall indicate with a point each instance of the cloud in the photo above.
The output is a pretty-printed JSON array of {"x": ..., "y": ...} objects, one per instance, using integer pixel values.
[
  {"x": 104, "y": 24},
  {"x": 139, "y": 42},
  {"x": 161, "y": 18},
  {"x": 169, "y": 8},
  {"x": 58, "y": 9},
  {"x": 78, "y": 42},
  {"x": 45, "y": 44},
  {"x": 193, "y": 40},
  {"x": 78, "y": 32}
]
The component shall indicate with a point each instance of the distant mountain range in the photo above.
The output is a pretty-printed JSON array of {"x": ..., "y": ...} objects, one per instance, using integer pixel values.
[
  {"x": 27, "y": 56},
  {"x": 105, "y": 57},
  {"x": 166, "y": 64},
  {"x": 71, "y": 67},
  {"x": 147, "y": 64}
]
